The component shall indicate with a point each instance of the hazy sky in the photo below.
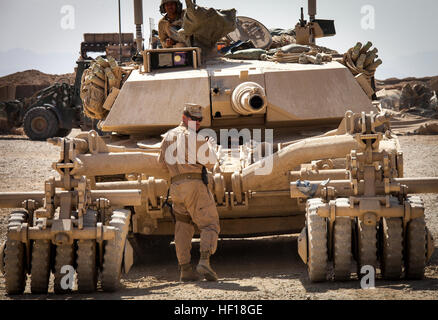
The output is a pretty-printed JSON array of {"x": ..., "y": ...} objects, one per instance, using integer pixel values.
[{"x": 404, "y": 32}]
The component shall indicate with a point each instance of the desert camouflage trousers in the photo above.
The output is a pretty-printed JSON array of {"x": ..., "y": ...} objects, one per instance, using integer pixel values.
[{"x": 191, "y": 198}]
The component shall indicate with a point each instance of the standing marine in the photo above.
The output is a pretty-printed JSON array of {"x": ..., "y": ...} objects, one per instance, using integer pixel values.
[
  {"x": 192, "y": 202},
  {"x": 170, "y": 25}
]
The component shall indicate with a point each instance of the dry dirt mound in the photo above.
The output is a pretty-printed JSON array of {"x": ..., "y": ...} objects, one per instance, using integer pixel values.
[
  {"x": 35, "y": 77},
  {"x": 398, "y": 84}
]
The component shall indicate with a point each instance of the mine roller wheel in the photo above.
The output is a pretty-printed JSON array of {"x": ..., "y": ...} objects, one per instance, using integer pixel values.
[
  {"x": 40, "y": 269},
  {"x": 392, "y": 248},
  {"x": 342, "y": 248},
  {"x": 2, "y": 257},
  {"x": 366, "y": 245},
  {"x": 64, "y": 256},
  {"x": 15, "y": 258},
  {"x": 416, "y": 250},
  {"x": 62, "y": 133},
  {"x": 86, "y": 258},
  {"x": 317, "y": 242},
  {"x": 113, "y": 251},
  {"x": 40, "y": 124}
]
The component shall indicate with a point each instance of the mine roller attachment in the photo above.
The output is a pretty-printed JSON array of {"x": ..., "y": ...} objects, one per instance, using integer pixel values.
[
  {"x": 2, "y": 257},
  {"x": 366, "y": 234},
  {"x": 392, "y": 248},
  {"x": 40, "y": 267},
  {"x": 114, "y": 250},
  {"x": 64, "y": 257},
  {"x": 342, "y": 249},
  {"x": 87, "y": 266},
  {"x": 416, "y": 244},
  {"x": 317, "y": 242},
  {"x": 15, "y": 256}
]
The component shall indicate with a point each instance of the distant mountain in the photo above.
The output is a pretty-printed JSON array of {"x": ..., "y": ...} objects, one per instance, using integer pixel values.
[
  {"x": 417, "y": 65},
  {"x": 17, "y": 60},
  {"x": 35, "y": 77}
]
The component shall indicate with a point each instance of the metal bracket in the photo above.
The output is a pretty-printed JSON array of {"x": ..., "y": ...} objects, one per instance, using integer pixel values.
[{"x": 236, "y": 205}]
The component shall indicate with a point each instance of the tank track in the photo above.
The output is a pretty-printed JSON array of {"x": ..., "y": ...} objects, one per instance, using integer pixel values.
[
  {"x": 15, "y": 259},
  {"x": 317, "y": 242},
  {"x": 40, "y": 270},
  {"x": 342, "y": 249},
  {"x": 392, "y": 248},
  {"x": 113, "y": 251}
]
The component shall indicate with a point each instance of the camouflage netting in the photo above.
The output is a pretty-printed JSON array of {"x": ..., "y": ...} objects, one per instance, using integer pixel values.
[
  {"x": 98, "y": 81},
  {"x": 208, "y": 25}
]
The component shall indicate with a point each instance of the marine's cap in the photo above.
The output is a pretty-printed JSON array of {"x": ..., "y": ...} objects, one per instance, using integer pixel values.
[{"x": 194, "y": 110}]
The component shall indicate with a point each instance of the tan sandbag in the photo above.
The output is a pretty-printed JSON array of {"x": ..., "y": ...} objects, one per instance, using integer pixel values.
[
  {"x": 93, "y": 99},
  {"x": 91, "y": 78},
  {"x": 97, "y": 70},
  {"x": 111, "y": 99},
  {"x": 102, "y": 62},
  {"x": 112, "y": 62}
]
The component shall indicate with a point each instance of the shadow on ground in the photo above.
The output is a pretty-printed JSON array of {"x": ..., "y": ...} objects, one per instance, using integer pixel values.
[{"x": 156, "y": 269}]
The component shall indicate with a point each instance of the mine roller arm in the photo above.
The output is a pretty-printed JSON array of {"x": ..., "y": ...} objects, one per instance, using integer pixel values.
[
  {"x": 345, "y": 188},
  {"x": 117, "y": 198}
]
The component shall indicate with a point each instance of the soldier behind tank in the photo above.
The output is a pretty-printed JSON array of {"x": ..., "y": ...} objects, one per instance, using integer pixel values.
[
  {"x": 193, "y": 203},
  {"x": 170, "y": 24}
]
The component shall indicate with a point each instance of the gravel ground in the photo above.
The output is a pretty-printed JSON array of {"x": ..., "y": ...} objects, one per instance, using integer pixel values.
[{"x": 262, "y": 268}]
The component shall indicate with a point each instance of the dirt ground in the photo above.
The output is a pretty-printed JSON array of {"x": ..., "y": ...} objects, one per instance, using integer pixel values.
[{"x": 262, "y": 268}]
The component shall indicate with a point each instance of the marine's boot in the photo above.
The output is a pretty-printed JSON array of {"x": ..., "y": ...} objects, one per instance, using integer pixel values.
[
  {"x": 187, "y": 273},
  {"x": 204, "y": 267}
]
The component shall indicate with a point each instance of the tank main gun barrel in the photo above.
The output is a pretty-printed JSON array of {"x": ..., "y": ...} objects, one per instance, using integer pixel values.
[
  {"x": 249, "y": 98},
  {"x": 138, "y": 20}
]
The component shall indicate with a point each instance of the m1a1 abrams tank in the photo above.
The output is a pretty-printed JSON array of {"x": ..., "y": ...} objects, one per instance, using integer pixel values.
[{"x": 343, "y": 190}]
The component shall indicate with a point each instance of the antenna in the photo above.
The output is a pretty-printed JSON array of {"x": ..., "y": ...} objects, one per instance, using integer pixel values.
[{"x": 120, "y": 33}]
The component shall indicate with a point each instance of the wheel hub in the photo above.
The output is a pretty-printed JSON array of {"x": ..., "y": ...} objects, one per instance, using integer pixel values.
[{"x": 39, "y": 124}]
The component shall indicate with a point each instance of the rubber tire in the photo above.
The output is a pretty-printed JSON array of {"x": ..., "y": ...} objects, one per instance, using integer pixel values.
[
  {"x": 64, "y": 256},
  {"x": 317, "y": 242},
  {"x": 342, "y": 249},
  {"x": 366, "y": 245},
  {"x": 15, "y": 259},
  {"x": 416, "y": 250},
  {"x": 62, "y": 133},
  {"x": 40, "y": 269},
  {"x": 87, "y": 269},
  {"x": 113, "y": 255},
  {"x": 392, "y": 248},
  {"x": 49, "y": 116}
]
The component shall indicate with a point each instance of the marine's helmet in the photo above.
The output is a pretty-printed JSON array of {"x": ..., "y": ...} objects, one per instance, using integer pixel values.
[{"x": 178, "y": 6}]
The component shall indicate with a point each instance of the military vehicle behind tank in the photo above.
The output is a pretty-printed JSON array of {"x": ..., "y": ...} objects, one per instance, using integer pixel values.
[
  {"x": 51, "y": 112},
  {"x": 343, "y": 190}
]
